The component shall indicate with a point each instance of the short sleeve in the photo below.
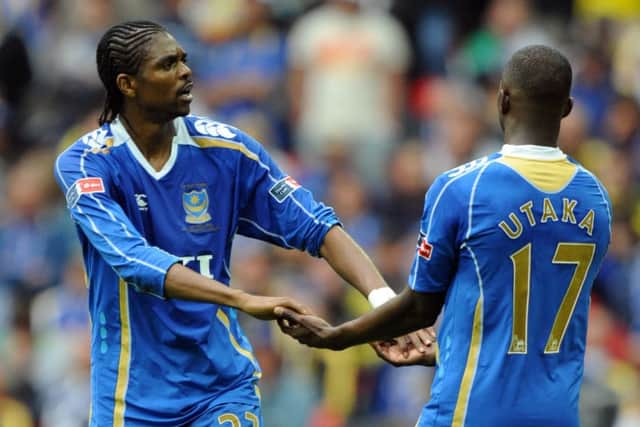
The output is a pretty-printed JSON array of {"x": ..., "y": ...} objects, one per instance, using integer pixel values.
[{"x": 436, "y": 253}]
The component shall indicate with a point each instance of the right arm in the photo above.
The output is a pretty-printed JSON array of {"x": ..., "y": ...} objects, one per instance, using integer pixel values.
[
  {"x": 418, "y": 306},
  {"x": 405, "y": 313},
  {"x": 183, "y": 283}
]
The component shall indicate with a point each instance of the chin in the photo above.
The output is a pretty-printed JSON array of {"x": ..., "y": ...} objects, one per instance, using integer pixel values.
[{"x": 183, "y": 111}]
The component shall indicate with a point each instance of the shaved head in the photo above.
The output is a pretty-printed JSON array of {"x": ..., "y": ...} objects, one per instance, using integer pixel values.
[
  {"x": 534, "y": 95},
  {"x": 540, "y": 74}
]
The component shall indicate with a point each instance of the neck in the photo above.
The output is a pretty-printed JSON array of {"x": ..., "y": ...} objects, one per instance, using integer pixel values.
[
  {"x": 153, "y": 139},
  {"x": 532, "y": 134}
]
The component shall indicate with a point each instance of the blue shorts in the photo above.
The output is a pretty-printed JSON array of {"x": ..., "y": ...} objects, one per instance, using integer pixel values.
[{"x": 230, "y": 415}]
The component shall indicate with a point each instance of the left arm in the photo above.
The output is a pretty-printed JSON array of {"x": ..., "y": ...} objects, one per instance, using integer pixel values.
[{"x": 407, "y": 312}]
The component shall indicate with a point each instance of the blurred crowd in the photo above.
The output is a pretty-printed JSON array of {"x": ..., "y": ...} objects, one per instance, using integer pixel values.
[{"x": 362, "y": 101}]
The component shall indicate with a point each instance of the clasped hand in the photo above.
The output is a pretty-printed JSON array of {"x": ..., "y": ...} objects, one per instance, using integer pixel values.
[{"x": 417, "y": 348}]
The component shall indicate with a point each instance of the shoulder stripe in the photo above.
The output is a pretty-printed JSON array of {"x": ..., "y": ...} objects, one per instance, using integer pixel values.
[
  {"x": 604, "y": 198},
  {"x": 116, "y": 249},
  {"x": 204, "y": 142},
  {"x": 473, "y": 194},
  {"x": 256, "y": 225},
  {"x": 106, "y": 239},
  {"x": 98, "y": 202},
  {"x": 66, "y": 187},
  {"x": 444, "y": 187}
]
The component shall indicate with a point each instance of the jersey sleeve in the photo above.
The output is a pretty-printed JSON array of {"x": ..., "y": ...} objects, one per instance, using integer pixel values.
[
  {"x": 88, "y": 185},
  {"x": 276, "y": 209},
  {"x": 436, "y": 256}
]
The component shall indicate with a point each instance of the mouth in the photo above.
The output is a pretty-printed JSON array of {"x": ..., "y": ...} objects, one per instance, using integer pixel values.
[{"x": 185, "y": 92}]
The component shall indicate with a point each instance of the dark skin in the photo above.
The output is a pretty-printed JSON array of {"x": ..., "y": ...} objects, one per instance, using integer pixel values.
[
  {"x": 407, "y": 312},
  {"x": 524, "y": 123},
  {"x": 157, "y": 94}
]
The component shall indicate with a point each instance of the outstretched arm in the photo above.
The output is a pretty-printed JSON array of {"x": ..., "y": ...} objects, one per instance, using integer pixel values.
[
  {"x": 350, "y": 261},
  {"x": 407, "y": 312},
  {"x": 183, "y": 283}
]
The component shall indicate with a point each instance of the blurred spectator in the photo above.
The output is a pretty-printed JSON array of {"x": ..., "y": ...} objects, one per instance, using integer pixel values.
[
  {"x": 240, "y": 68},
  {"x": 347, "y": 66},
  {"x": 347, "y": 195},
  {"x": 508, "y": 26},
  {"x": 626, "y": 61},
  {"x": 618, "y": 9},
  {"x": 15, "y": 77},
  {"x": 401, "y": 205},
  {"x": 456, "y": 131},
  {"x": 33, "y": 232},
  {"x": 12, "y": 412},
  {"x": 60, "y": 323},
  {"x": 592, "y": 87}
]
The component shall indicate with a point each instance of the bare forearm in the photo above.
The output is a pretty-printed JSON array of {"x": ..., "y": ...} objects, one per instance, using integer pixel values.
[
  {"x": 184, "y": 283},
  {"x": 348, "y": 259},
  {"x": 407, "y": 312}
]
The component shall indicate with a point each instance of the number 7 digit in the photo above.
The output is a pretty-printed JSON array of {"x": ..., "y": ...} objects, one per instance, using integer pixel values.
[{"x": 580, "y": 254}]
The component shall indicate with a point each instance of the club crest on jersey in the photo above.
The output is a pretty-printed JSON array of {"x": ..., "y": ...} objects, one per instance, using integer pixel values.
[
  {"x": 196, "y": 206},
  {"x": 283, "y": 188},
  {"x": 424, "y": 248}
]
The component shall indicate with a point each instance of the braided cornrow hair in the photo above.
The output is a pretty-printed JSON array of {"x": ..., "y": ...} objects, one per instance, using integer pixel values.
[{"x": 121, "y": 50}]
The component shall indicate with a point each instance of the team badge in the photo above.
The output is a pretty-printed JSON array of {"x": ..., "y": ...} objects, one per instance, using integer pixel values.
[{"x": 196, "y": 205}]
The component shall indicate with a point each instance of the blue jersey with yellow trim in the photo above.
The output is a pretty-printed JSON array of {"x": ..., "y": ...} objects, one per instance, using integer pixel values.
[
  {"x": 158, "y": 362},
  {"x": 515, "y": 240}
]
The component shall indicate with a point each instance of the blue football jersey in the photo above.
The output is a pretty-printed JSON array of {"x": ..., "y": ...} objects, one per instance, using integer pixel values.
[
  {"x": 515, "y": 240},
  {"x": 159, "y": 362}
]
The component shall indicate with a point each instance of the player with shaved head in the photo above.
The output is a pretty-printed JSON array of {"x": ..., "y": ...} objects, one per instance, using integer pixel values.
[{"x": 508, "y": 250}]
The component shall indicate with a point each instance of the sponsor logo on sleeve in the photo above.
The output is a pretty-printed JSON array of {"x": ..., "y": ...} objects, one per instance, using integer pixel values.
[
  {"x": 283, "y": 188},
  {"x": 83, "y": 186},
  {"x": 424, "y": 248}
]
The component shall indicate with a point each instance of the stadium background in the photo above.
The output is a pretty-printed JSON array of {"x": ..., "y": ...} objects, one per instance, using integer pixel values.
[{"x": 363, "y": 107}]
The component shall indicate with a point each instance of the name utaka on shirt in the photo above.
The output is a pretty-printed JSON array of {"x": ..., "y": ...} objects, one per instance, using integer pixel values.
[{"x": 513, "y": 227}]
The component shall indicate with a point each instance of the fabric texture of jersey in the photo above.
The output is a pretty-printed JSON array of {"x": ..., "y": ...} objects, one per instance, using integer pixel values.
[
  {"x": 515, "y": 240},
  {"x": 158, "y": 362}
]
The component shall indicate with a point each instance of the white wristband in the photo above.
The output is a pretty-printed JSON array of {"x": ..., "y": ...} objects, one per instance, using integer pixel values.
[{"x": 379, "y": 296}]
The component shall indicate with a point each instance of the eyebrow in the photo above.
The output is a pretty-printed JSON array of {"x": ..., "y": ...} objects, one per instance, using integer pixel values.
[{"x": 170, "y": 56}]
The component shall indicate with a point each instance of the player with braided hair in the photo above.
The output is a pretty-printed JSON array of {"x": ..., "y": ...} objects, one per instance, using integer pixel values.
[
  {"x": 121, "y": 50},
  {"x": 157, "y": 196}
]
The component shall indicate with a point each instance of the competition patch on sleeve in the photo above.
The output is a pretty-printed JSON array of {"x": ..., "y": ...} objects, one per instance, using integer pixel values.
[
  {"x": 283, "y": 188},
  {"x": 424, "y": 248},
  {"x": 83, "y": 186}
]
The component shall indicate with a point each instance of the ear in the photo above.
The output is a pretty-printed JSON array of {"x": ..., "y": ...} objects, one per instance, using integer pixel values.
[
  {"x": 504, "y": 101},
  {"x": 567, "y": 107},
  {"x": 127, "y": 85}
]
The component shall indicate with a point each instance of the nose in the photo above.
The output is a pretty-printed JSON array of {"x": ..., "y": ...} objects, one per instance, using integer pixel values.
[{"x": 185, "y": 71}]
